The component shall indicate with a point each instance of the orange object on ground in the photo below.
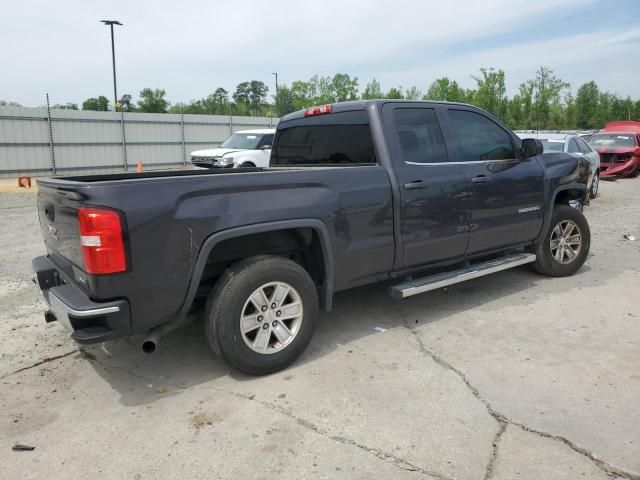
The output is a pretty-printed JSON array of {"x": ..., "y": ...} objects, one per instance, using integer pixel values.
[
  {"x": 24, "y": 182},
  {"x": 140, "y": 166}
]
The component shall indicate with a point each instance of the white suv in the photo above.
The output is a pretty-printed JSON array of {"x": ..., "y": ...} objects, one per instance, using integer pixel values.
[{"x": 247, "y": 148}]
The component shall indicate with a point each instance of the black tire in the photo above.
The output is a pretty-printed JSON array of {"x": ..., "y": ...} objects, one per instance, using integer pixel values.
[
  {"x": 226, "y": 305},
  {"x": 546, "y": 263},
  {"x": 595, "y": 186},
  {"x": 247, "y": 165}
]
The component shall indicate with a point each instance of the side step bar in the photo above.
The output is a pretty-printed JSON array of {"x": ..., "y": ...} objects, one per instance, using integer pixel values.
[{"x": 439, "y": 280}]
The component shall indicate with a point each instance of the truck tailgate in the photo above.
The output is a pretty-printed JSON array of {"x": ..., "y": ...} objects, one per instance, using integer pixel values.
[{"x": 58, "y": 214}]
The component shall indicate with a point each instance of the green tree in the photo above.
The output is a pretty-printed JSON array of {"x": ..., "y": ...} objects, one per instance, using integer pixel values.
[
  {"x": 220, "y": 99},
  {"x": 6, "y": 103},
  {"x": 242, "y": 96},
  {"x": 394, "y": 93},
  {"x": 98, "y": 104},
  {"x": 152, "y": 101},
  {"x": 622, "y": 108},
  {"x": 126, "y": 103},
  {"x": 446, "y": 90},
  {"x": 286, "y": 101},
  {"x": 570, "y": 120},
  {"x": 547, "y": 94},
  {"x": 604, "y": 110},
  {"x": 301, "y": 95},
  {"x": 587, "y": 105},
  {"x": 515, "y": 117},
  {"x": 491, "y": 92},
  {"x": 344, "y": 88},
  {"x": 216, "y": 103},
  {"x": 412, "y": 93},
  {"x": 257, "y": 95},
  {"x": 529, "y": 118},
  {"x": 372, "y": 90},
  {"x": 320, "y": 90}
]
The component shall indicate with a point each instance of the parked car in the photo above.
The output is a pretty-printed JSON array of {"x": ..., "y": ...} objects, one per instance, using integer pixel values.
[
  {"x": 618, "y": 144},
  {"x": 574, "y": 144},
  {"x": 424, "y": 193},
  {"x": 243, "y": 149}
]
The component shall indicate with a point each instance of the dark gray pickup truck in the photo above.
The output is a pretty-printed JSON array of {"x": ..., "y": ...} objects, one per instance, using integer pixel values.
[{"x": 426, "y": 193}]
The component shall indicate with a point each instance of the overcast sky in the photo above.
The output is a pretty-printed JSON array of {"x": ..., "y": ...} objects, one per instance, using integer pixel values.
[{"x": 190, "y": 48}]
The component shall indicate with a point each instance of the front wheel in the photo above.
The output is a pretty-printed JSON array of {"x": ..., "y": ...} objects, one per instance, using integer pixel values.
[
  {"x": 566, "y": 245},
  {"x": 261, "y": 314},
  {"x": 595, "y": 184}
]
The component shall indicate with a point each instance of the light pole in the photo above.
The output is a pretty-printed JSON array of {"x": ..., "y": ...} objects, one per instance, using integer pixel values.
[
  {"x": 277, "y": 96},
  {"x": 111, "y": 23}
]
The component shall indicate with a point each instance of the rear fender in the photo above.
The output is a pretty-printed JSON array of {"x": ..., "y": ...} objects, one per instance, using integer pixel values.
[{"x": 326, "y": 290}]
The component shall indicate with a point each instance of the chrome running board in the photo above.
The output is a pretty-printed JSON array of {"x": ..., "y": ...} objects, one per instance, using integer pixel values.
[{"x": 439, "y": 280}]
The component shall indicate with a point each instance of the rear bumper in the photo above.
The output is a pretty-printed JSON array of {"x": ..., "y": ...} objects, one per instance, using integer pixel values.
[{"x": 89, "y": 321}]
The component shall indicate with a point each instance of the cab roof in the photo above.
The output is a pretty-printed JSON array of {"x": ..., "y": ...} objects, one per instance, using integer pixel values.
[{"x": 363, "y": 104}]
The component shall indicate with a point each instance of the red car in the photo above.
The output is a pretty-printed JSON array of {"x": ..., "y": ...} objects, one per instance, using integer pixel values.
[{"x": 618, "y": 144}]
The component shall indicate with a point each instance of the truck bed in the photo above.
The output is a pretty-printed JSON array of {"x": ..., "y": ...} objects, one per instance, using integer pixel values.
[{"x": 109, "y": 177}]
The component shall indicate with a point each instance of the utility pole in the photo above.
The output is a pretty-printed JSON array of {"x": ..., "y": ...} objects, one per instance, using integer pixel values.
[
  {"x": 111, "y": 23},
  {"x": 277, "y": 94}
]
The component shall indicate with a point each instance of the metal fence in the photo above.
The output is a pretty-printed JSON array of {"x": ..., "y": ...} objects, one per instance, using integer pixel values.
[{"x": 42, "y": 141}]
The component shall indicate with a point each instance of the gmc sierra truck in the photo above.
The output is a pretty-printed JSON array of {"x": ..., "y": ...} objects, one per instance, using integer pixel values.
[{"x": 420, "y": 194}]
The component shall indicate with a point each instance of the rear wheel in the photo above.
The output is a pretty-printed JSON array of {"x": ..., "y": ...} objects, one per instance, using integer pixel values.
[
  {"x": 595, "y": 184},
  {"x": 566, "y": 244},
  {"x": 261, "y": 314}
]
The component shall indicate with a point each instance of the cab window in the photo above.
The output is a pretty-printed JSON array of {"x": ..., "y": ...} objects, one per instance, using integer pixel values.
[
  {"x": 334, "y": 139},
  {"x": 480, "y": 138},
  {"x": 419, "y": 135}
]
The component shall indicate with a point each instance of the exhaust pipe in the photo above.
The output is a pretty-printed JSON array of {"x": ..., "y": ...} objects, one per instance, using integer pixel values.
[
  {"x": 151, "y": 341},
  {"x": 150, "y": 344}
]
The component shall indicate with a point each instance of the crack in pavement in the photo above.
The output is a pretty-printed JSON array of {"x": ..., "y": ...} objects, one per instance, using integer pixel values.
[
  {"x": 399, "y": 462},
  {"x": 603, "y": 465},
  {"x": 380, "y": 454},
  {"x": 494, "y": 454},
  {"x": 41, "y": 362}
]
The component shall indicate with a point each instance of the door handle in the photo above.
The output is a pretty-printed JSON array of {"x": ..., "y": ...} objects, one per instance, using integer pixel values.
[
  {"x": 416, "y": 185},
  {"x": 481, "y": 179}
]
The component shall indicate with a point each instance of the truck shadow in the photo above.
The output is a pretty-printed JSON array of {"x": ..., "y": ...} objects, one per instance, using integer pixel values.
[{"x": 183, "y": 359}]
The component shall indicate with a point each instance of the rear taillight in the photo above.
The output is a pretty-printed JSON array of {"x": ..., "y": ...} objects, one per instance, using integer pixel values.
[
  {"x": 101, "y": 241},
  {"x": 320, "y": 110}
]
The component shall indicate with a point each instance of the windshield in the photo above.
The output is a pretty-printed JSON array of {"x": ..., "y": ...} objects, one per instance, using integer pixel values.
[
  {"x": 242, "y": 141},
  {"x": 600, "y": 140},
  {"x": 552, "y": 145}
]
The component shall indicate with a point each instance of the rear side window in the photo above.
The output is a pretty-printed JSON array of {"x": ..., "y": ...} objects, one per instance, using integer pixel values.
[
  {"x": 419, "y": 135},
  {"x": 335, "y": 139},
  {"x": 480, "y": 138}
]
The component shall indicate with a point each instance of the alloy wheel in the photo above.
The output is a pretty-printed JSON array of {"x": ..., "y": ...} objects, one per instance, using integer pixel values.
[
  {"x": 565, "y": 242},
  {"x": 271, "y": 317}
]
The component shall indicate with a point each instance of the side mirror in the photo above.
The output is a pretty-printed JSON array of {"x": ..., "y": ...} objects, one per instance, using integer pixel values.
[
  {"x": 265, "y": 147},
  {"x": 531, "y": 147}
]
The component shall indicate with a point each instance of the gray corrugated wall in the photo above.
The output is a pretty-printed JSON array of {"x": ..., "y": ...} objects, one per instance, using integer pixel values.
[{"x": 92, "y": 141}]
